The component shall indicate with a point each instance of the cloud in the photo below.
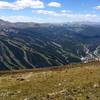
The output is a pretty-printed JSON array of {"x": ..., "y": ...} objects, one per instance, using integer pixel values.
[
  {"x": 21, "y": 4},
  {"x": 53, "y": 13},
  {"x": 97, "y": 7},
  {"x": 68, "y": 16},
  {"x": 57, "y": 18},
  {"x": 48, "y": 16},
  {"x": 17, "y": 18},
  {"x": 54, "y": 4}
]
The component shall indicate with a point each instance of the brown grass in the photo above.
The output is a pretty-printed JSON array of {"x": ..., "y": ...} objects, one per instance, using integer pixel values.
[{"x": 71, "y": 82}]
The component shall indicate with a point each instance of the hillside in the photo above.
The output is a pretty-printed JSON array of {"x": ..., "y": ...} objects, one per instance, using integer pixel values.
[
  {"x": 69, "y": 82},
  {"x": 30, "y": 45}
]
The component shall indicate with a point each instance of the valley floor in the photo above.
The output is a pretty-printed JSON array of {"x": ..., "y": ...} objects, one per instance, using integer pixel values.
[{"x": 80, "y": 82}]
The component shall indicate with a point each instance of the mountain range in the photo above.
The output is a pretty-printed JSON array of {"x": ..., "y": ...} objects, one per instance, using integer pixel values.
[{"x": 33, "y": 45}]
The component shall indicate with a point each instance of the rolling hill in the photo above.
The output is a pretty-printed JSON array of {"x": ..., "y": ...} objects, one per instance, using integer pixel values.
[{"x": 34, "y": 45}]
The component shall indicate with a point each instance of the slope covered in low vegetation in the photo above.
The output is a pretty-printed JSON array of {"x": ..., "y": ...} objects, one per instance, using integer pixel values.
[{"x": 70, "y": 82}]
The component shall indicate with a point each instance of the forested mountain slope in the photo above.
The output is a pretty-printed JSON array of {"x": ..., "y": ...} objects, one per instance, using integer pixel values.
[{"x": 28, "y": 45}]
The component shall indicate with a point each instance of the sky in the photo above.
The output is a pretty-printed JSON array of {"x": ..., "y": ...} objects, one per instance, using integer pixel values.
[{"x": 50, "y": 11}]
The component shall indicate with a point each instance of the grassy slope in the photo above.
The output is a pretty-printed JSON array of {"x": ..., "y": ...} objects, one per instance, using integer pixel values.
[{"x": 81, "y": 82}]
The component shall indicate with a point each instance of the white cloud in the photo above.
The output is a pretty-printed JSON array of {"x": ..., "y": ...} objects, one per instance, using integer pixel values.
[
  {"x": 97, "y": 7},
  {"x": 20, "y": 18},
  {"x": 54, "y": 4},
  {"x": 68, "y": 16},
  {"x": 46, "y": 16},
  {"x": 51, "y": 18},
  {"x": 52, "y": 13},
  {"x": 21, "y": 4}
]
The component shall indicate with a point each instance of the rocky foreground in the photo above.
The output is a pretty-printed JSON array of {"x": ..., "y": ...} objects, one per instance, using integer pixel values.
[{"x": 71, "y": 82}]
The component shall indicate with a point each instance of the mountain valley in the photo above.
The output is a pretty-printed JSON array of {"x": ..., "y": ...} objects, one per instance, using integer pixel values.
[{"x": 34, "y": 45}]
